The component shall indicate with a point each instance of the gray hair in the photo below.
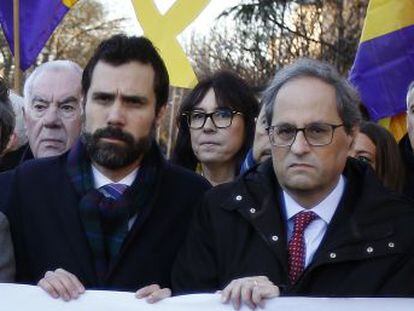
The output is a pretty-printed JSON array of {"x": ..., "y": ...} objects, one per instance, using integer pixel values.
[
  {"x": 347, "y": 97},
  {"x": 410, "y": 93},
  {"x": 55, "y": 65},
  {"x": 19, "y": 129}
]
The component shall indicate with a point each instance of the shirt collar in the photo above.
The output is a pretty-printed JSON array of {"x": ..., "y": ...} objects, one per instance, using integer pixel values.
[
  {"x": 325, "y": 209},
  {"x": 100, "y": 179}
]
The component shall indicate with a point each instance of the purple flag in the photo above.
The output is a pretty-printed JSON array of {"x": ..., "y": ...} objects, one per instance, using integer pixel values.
[{"x": 38, "y": 20}]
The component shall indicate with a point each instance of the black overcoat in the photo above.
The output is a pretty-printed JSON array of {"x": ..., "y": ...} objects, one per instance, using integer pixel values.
[
  {"x": 239, "y": 231},
  {"x": 43, "y": 209}
]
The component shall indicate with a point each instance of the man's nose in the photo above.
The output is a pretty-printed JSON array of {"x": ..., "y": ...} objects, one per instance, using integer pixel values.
[
  {"x": 116, "y": 114},
  {"x": 300, "y": 145},
  {"x": 52, "y": 118}
]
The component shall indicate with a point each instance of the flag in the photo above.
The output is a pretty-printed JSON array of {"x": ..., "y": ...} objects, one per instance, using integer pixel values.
[
  {"x": 384, "y": 64},
  {"x": 38, "y": 19}
]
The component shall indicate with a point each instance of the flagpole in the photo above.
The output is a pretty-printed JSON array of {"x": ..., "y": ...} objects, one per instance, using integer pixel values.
[{"x": 16, "y": 38}]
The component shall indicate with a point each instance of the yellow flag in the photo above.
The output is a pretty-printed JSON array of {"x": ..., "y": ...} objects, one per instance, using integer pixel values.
[{"x": 163, "y": 30}]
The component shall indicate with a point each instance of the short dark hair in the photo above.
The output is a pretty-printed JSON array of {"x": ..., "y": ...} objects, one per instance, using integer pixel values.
[
  {"x": 121, "y": 49},
  {"x": 347, "y": 97},
  {"x": 230, "y": 91},
  {"x": 7, "y": 117},
  {"x": 389, "y": 165}
]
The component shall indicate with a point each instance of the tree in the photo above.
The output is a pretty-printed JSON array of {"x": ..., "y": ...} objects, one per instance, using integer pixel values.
[
  {"x": 76, "y": 38},
  {"x": 263, "y": 36}
]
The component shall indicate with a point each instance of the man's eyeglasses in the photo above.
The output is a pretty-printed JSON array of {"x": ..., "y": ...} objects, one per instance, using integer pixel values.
[
  {"x": 221, "y": 118},
  {"x": 316, "y": 134}
]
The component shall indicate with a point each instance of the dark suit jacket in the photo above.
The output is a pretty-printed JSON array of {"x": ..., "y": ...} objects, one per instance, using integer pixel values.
[
  {"x": 47, "y": 230},
  {"x": 240, "y": 231}
]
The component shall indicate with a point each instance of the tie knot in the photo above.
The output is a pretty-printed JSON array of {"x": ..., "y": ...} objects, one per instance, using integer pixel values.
[
  {"x": 303, "y": 219},
  {"x": 113, "y": 191}
]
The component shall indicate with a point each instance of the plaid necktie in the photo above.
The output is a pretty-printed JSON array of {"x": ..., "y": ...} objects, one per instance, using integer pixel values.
[{"x": 297, "y": 247}]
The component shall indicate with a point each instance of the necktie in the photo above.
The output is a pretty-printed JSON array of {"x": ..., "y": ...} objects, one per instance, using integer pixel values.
[
  {"x": 114, "y": 223},
  {"x": 297, "y": 247},
  {"x": 113, "y": 191}
]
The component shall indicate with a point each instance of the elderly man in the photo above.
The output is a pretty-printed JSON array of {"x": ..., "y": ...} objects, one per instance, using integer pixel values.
[
  {"x": 52, "y": 110},
  {"x": 111, "y": 213},
  {"x": 308, "y": 221},
  {"x": 6, "y": 129},
  {"x": 406, "y": 144}
]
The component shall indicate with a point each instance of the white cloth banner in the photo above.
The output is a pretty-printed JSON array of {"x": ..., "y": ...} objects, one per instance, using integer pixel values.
[{"x": 25, "y": 297}]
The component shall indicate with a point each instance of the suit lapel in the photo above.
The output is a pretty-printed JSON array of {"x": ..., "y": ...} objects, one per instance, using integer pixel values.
[{"x": 67, "y": 210}]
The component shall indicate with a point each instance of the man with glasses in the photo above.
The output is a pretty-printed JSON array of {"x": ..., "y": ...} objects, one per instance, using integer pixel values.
[{"x": 309, "y": 221}]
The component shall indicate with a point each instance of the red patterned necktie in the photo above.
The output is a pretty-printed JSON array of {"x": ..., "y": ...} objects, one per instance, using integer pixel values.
[{"x": 297, "y": 248}]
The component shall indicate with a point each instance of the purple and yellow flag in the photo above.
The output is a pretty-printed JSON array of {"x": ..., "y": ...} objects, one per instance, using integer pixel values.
[
  {"x": 384, "y": 64},
  {"x": 38, "y": 19}
]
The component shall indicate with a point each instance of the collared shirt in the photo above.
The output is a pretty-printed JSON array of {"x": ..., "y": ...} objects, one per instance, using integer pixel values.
[
  {"x": 315, "y": 232},
  {"x": 100, "y": 180}
]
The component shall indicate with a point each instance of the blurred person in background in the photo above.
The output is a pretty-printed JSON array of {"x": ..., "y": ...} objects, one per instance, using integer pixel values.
[
  {"x": 378, "y": 148},
  {"x": 18, "y": 140},
  {"x": 216, "y": 127},
  {"x": 7, "y": 264},
  {"x": 406, "y": 144},
  {"x": 261, "y": 145}
]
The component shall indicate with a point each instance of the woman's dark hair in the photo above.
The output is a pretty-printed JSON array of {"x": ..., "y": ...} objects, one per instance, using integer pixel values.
[
  {"x": 388, "y": 162},
  {"x": 7, "y": 117},
  {"x": 230, "y": 91}
]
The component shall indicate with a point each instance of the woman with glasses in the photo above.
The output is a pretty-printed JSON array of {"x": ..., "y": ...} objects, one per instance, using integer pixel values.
[
  {"x": 378, "y": 148},
  {"x": 216, "y": 123}
]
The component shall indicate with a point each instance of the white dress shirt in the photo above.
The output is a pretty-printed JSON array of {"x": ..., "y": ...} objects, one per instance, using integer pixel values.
[
  {"x": 315, "y": 232},
  {"x": 100, "y": 180}
]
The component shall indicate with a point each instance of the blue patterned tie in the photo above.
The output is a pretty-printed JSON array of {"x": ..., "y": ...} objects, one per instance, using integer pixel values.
[{"x": 113, "y": 191}]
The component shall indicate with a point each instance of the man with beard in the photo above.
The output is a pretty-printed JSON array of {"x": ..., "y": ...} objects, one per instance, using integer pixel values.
[{"x": 110, "y": 213}]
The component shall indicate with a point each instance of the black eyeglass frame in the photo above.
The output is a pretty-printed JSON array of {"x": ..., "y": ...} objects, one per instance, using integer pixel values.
[
  {"x": 270, "y": 130},
  {"x": 187, "y": 116}
]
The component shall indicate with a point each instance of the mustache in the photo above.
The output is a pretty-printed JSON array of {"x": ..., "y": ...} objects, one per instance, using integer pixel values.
[{"x": 113, "y": 133}]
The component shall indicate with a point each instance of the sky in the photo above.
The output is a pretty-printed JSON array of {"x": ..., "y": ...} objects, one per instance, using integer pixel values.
[{"x": 124, "y": 8}]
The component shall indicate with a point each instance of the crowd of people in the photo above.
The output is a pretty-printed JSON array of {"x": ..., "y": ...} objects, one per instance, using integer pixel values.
[{"x": 287, "y": 192}]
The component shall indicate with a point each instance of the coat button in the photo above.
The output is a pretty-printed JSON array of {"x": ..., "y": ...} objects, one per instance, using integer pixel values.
[
  {"x": 275, "y": 238},
  {"x": 391, "y": 245},
  {"x": 239, "y": 198},
  {"x": 332, "y": 255},
  {"x": 370, "y": 249},
  {"x": 252, "y": 210}
]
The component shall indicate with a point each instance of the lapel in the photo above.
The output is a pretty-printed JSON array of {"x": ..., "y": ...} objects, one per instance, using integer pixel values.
[
  {"x": 257, "y": 200},
  {"x": 67, "y": 209},
  {"x": 360, "y": 223}
]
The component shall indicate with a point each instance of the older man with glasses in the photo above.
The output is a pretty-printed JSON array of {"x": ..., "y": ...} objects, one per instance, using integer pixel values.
[{"x": 309, "y": 221}]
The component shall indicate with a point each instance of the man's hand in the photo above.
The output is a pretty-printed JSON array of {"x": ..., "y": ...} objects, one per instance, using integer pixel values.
[
  {"x": 61, "y": 283},
  {"x": 153, "y": 293},
  {"x": 251, "y": 291}
]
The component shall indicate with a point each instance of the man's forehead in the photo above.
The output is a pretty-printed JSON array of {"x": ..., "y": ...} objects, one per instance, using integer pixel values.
[{"x": 54, "y": 84}]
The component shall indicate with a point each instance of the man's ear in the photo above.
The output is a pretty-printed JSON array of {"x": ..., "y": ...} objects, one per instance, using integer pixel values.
[{"x": 160, "y": 115}]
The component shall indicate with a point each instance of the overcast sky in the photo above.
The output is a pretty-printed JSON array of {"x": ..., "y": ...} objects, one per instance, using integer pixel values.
[{"x": 124, "y": 8}]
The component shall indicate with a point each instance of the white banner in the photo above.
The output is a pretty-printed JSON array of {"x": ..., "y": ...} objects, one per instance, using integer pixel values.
[{"x": 24, "y": 297}]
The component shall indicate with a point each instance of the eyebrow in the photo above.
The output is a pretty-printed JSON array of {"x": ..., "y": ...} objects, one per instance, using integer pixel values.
[
  {"x": 126, "y": 98},
  {"x": 67, "y": 100},
  {"x": 40, "y": 99}
]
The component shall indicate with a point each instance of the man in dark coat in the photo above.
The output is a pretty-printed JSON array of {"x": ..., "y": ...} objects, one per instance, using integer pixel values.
[
  {"x": 406, "y": 145},
  {"x": 309, "y": 221},
  {"x": 111, "y": 213}
]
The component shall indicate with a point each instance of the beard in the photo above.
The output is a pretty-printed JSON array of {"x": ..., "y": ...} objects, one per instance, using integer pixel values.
[{"x": 114, "y": 155}]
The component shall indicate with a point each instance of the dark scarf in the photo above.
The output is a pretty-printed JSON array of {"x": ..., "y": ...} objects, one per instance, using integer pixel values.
[{"x": 105, "y": 237}]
